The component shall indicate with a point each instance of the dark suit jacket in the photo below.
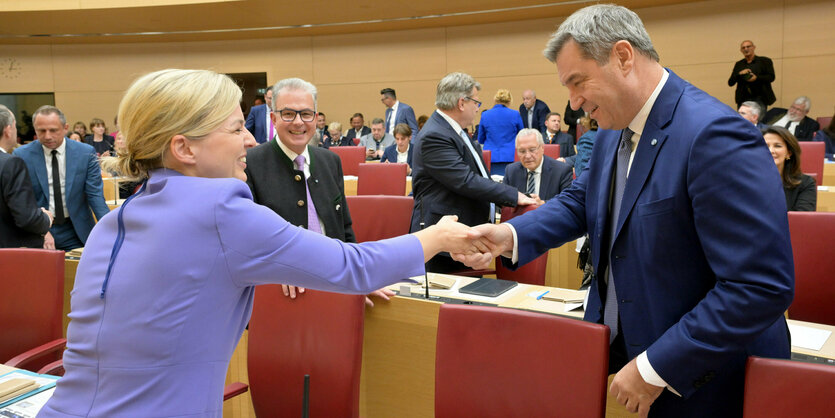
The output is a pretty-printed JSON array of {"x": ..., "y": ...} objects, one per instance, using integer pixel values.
[
  {"x": 804, "y": 196},
  {"x": 556, "y": 177},
  {"x": 106, "y": 144},
  {"x": 760, "y": 89},
  {"x": 84, "y": 196},
  {"x": 570, "y": 117},
  {"x": 22, "y": 223},
  {"x": 405, "y": 114},
  {"x": 256, "y": 123},
  {"x": 341, "y": 142},
  {"x": 688, "y": 294},
  {"x": 352, "y": 133},
  {"x": 540, "y": 110},
  {"x": 276, "y": 184},
  {"x": 805, "y": 129},
  {"x": 446, "y": 181},
  {"x": 564, "y": 140},
  {"x": 390, "y": 154}
]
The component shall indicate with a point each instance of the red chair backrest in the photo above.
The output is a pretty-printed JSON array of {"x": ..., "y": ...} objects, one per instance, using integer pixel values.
[
  {"x": 824, "y": 121},
  {"x": 811, "y": 158},
  {"x": 356, "y": 141},
  {"x": 382, "y": 178},
  {"x": 786, "y": 388},
  {"x": 319, "y": 334},
  {"x": 485, "y": 155},
  {"x": 31, "y": 299},
  {"x": 380, "y": 217},
  {"x": 351, "y": 158},
  {"x": 473, "y": 377},
  {"x": 551, "y": 150},
  {"x": 531, "y": 273},
  {"x": 580, "y": 131},
  {"x": 813, "y": 237}
]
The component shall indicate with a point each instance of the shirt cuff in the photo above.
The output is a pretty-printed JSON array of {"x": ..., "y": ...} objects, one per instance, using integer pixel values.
[
  {"x": 649, "y": 375},
  {"x": 515, "y": 258}
]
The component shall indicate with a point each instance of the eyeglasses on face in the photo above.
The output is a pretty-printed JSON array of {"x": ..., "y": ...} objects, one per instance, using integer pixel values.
[
  {"x": 477, "y": 103},
  {"x": 289, "y": 115},
  {"x": 525, "y": 151}
]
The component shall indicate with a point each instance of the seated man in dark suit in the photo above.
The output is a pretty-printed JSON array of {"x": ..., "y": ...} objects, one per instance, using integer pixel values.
[
  {"x": 303, "y": 184},
  {"x": 752, "y": 112},
  {"x": 258, "y": 120},
  {"x": 22, "y": 222},
  {"x": 536, "y": 174},
  {"x": 401, "y": 151},
  {"x": 322, "y": 128},
  {"x": 358, "y": 128},
  {"x": 553, "y": 135},
  {"x": 794, "y": 119}
]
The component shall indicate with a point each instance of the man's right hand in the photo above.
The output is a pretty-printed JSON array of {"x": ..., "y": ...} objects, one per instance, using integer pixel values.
[
  {"x": 497, "y": 238},
  {"x": 522, "y": 200},
  {"x": 48, "y": 214},
  {"x": 291, "y": 290},
  {"x": 48, "y": 242}
]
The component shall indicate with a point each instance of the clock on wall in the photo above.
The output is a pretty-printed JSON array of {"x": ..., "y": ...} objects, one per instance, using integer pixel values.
[{"x": 10, "y": 68}]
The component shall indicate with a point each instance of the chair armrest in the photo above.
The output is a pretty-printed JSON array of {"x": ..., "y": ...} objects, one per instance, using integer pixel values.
[
  {"x": 24, "y": 358},
  {"x": 56, "y": 368},
  {"x": 234, "y": 389}
]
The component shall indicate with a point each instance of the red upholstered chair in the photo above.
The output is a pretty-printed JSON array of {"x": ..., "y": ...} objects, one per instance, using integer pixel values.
[
  {"x": 813, "y": 237},
  {"x": 496, "y": 362},
  {"x": 351, "y": 158},
  {"x": 531, "y": 273},
  {"x": 552, "y": 150},
  {"x": 811, "y": 158},
  {"x": 31, "y": 306},
  {"x": 485, "y": 155},
  {"x": 318, "y": 334},
  {"x": 786, "y": 388},
  {"x": 387, "y": 179},
  {"x": 356, "y": 141},
  {"x": 379, "y": 217},
  {"x": 824, "y": 121}
]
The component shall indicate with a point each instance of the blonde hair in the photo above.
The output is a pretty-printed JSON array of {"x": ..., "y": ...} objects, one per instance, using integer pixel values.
[
  {"x": 165, "y": 103},
  {"x": 503, "y": 97}
]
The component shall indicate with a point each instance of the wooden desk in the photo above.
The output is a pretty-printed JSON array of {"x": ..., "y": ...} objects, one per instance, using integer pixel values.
[
  {"x": 828, "y": 174},
  {"x": 826, "y": 199},
  {"x": 351, "y": 185}
]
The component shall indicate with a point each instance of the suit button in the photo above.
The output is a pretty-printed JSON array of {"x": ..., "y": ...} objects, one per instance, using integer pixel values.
[
  {"x": 298, "y": 177},
  {"x": 300, "y": 203}
]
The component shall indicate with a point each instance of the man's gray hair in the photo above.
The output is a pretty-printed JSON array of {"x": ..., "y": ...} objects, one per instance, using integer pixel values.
[
  {"x": 452, "y": 87},
  {"x": 805, "y": 100},
  {"x": 596, "y": 29},
  {"x": 378, "y": 121},
  {"x": 50, "y": 110},
  {"x": 527, "y": 132},
  {"x": 6, "y": 118},
  {"x": 754, "y": 106},
  {"x": 293, "y": 84}
]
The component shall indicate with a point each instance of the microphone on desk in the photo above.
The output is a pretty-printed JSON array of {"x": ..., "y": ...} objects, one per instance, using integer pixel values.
[{"x": 306, "y": 397}]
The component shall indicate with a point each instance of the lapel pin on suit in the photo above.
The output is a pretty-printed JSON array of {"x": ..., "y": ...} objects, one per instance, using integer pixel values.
[{"x": 653, "y": 142}]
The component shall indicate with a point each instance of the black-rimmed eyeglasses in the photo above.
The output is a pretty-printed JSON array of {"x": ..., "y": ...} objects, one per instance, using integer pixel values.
[
  {"x": 477, "y": 103},
  {"x": 289, "y": 115}
]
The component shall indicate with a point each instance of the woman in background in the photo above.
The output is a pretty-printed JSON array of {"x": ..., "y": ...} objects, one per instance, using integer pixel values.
[
  {"x": 75, "y": 136},
  {"x": 165, "y": 286},
  {"x": 401, "y": 150},
  {"x": 584, "y": 145},
  {"x": 99, "y": 139},
  {"x": 335, "y": 139},
  {"x": 800, "y": 190},
  {"x": 497, "y": 132},
  {"x": 827, "y": 136},
  {"x": 81, "y": 128}
]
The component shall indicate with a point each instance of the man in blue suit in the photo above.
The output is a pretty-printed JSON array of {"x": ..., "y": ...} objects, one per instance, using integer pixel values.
[
  {"x": 533, "y": 111},
  {"x": 258, "y": 121},
  {"x": 536, "y": 174},
  {"x": 692, "y": 273},
  {"x": 397, "y": 112},
  {"x": 74, "y": 193}
]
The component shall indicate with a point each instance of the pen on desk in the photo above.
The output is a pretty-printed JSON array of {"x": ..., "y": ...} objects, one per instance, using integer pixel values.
[{"x": 540, "y": 296}]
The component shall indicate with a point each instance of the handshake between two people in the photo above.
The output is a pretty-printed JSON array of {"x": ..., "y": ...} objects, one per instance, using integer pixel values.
[{"x": 474, "y": 246}]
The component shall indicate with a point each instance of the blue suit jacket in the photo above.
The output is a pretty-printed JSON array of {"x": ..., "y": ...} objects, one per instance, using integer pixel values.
[
  {"x": 405, "y": 114},
  {"x": 390, "y": 154},
  {"x": 256, "y": 123},
  {"x": 555, "y": 177},
  {"x": 565, "y": 141},
  {"x": 540, "y": 110},
  {"x": 83, "y": 195},
  {"x": 703, "y": 277},
  {"x": 497, "y": 131}
]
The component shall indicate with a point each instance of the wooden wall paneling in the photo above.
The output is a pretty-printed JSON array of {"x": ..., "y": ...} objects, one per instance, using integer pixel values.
[
  {"x": 279, "y": 57},
  {"x": 31, "y": 69},
  {"x": 810, "y": 76}
]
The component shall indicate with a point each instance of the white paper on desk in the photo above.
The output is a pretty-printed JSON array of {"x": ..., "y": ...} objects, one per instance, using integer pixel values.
[
  {"x": 28, "y": 407},
  {"x": 572, "y": 306},
  {"x": 823, "y": 188},
  {"x": 807, "y": 337}
]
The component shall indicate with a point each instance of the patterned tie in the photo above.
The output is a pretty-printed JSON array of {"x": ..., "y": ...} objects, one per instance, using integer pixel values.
[
  {"x": 312, "y": 217},
  {"x": 56, "y": 190},
  {"x": 531, "y": 182},
  {"x": 270, "y": 132},
  {"x": 788, "y": 124},
  {"x": 610, "y": 309},
  {"x": 481, "y": 169},
  {"x": 388, "y": 120}
]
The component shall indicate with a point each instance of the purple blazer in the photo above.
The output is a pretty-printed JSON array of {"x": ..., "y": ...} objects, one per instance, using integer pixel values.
[{"x": 180, "y": 294}]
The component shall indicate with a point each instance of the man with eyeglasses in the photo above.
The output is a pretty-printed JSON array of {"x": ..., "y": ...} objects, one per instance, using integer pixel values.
[
  {"x": 794, "y": 119},
  {"x": 753, "y": 76},
  {"x": 536, "y": 174},
  {"x": 377, "y": 141},
  {"x": 449, "y": 175},
  {"x": 301, "y": 183}
]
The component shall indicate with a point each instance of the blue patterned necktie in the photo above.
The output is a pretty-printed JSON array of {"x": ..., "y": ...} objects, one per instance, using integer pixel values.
[
  {"x": 531, "y": 182},
  {"x": 610, "y": 308}
]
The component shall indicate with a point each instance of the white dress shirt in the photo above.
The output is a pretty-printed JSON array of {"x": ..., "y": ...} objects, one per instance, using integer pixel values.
[
  {"x": 393, "y": 116},
  {"x": 62, "y": 168}
]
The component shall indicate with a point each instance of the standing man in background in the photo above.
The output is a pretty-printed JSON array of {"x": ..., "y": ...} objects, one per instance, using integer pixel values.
[
  {"x": 533, "y": 111},
  {"x": 753, "y": 76},
  {"x": 258, "y": 121},
  {"x": 66, "y": 178},
  {"x": 397, "y": 112}
]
